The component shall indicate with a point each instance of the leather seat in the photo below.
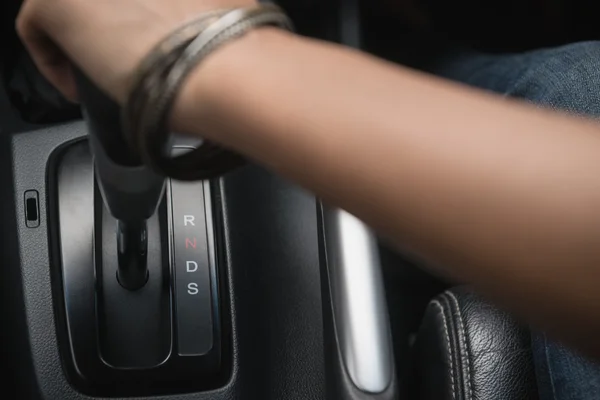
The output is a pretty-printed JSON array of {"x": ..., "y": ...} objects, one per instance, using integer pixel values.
[{"x": 467, "y": 349}]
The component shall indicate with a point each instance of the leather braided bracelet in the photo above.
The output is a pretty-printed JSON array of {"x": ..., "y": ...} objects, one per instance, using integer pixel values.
[{"x": 161, "y": 75}]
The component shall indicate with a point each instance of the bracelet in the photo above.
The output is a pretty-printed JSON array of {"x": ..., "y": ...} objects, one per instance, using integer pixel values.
[{"x": 159, "y": 78}]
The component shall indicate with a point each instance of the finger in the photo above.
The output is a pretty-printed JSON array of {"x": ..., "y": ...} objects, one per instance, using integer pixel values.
[{"x": 47, "y": 56}]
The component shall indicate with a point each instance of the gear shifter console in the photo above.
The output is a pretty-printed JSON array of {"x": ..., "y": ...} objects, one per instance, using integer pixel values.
[{"x": 139, "y": 268}]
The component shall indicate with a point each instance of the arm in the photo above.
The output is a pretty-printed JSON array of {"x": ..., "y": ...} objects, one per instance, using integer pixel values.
[{"x": 498, "y": 193}]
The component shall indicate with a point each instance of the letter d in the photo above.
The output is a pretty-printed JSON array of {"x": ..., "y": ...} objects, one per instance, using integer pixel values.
[{"x": 191, "y": 266}]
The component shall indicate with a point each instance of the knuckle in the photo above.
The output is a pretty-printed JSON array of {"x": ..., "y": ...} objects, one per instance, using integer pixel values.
[
  {"x": 21, "y": 27},
  {"x": 23, "y": 21}
]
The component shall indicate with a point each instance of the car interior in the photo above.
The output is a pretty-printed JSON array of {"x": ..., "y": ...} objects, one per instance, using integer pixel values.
[{"x": 248, "y": 286}]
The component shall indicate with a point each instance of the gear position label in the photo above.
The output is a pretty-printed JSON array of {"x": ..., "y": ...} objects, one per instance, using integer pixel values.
[{"x": 193, "y": 304}]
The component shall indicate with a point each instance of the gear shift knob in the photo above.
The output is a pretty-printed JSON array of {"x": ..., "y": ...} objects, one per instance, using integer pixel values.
[{"x": 130, "y": 190}]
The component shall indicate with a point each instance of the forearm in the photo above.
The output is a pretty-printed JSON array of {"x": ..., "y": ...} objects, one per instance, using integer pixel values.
[{"x": 504, "y": 196}]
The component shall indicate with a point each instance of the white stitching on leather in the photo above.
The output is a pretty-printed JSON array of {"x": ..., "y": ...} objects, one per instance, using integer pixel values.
[
  {"x": 463, "y": 336},
  {"x": 450, "y": 357}
]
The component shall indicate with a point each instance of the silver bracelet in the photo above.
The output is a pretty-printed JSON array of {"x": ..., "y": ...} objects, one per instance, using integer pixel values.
[{"x": 161, "y": 76}]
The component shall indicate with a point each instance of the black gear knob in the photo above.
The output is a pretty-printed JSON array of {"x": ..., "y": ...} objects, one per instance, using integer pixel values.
[{"x": 130, "y": 190}]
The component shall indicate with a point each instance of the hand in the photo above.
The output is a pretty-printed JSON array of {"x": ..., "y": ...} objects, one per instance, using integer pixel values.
[{"x": 105, "y": 38}]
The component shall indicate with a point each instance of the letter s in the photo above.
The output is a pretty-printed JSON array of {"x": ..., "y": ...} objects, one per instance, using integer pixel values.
[{"x": 193, "y": 288}]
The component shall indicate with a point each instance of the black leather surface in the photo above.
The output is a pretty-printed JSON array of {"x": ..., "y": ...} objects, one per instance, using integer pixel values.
[{"x": 467, "y": 349}]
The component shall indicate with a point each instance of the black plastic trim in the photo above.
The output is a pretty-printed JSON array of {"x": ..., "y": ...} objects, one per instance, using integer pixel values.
[
  {"x": 272, "y": 324},
  {"x": 86, "y": 370}
]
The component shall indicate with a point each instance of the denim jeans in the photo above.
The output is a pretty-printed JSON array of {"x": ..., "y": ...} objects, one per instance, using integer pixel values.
[{"x": 565, "y": 78}]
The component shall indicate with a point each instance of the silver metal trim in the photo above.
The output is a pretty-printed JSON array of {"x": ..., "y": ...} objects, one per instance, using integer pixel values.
[{"x": 358, "y": 300}]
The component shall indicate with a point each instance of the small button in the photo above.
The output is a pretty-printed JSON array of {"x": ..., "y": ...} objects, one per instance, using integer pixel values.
[
  {"x": 32, "y": 209},
  {"x": 193, "y": 297}
]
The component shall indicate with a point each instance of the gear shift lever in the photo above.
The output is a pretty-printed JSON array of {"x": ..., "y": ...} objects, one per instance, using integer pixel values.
[{"x": 130, "y": 190}]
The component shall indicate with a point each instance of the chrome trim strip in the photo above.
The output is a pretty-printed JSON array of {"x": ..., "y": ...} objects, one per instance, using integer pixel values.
[{"x": 358, "y": 300}]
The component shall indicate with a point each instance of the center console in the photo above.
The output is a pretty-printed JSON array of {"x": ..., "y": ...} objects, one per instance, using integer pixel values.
[
  {"x": 83, "y": 340},
  {"x": 157, "y": 330}
]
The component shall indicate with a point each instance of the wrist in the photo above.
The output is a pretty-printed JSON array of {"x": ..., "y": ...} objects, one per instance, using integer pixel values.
[{"x": 201, "y": 104}]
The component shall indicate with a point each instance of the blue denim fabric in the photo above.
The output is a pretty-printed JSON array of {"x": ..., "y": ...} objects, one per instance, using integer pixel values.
[{"x": 566, "y": 78}]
